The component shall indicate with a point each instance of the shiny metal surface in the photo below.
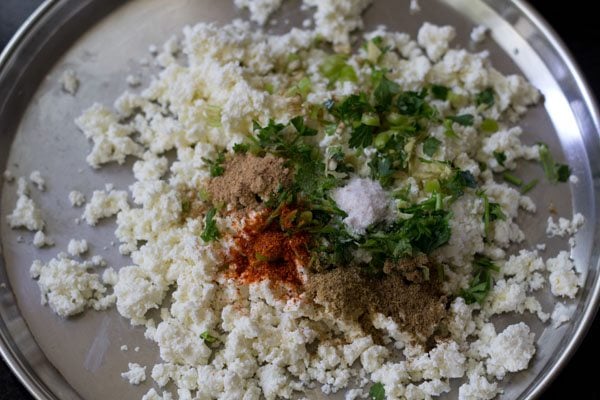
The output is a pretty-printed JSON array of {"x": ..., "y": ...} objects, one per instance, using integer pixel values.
[{"x": 104, "y": 41}]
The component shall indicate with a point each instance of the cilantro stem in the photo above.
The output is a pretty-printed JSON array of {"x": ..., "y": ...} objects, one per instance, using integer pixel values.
[
  {"x": 525, "y": 189},
  {"x": 508, "y": 177}
]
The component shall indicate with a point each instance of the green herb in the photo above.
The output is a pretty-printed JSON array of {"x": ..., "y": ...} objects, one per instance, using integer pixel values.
[
  {"x": 216, "y": 166},
  {"x": 413, "y": 103},
  {"x": 241, "y": 148},
  {"x": 335, "y": 68},
  {"x": 361, "y": 136},
  {"x": 527, "y": 187},
  {"x": 384, "y": 92},
  {"x": 430, "y": 146},
  {"x": 555, "y": 172},
  {"x": 491, "y": 212},
  {"x": 500, "y": 156},
  {"x": 210, "y": 232},
  {"x": 439, "y": 92},
  {"x": 303, "y": 130},
  {"x": 382, "y": 170},
  {"x": 448, "y": 131},
  {"x": 485, "y": 98},
  {"x": 377, "y": 392},
  {"x": 207, "y": 337},
  {"x": 351, "y": 109},
  {"x": 510, "y": 178},
  {"x": 489, "y": 125},
  {"x": 482, "y": 281},
  {"x": 464, "y": 120},
  {"x": 186, "y": 206},
  {"x": 456, "y": 185}
]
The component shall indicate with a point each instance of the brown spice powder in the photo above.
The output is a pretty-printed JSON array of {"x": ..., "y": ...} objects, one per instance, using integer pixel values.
[
  {"x": 248, "y": 179},
  {"x": 348, "y": 293}
]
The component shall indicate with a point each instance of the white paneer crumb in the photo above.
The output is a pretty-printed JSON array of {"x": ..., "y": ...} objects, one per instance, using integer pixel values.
[
  {"x": 76, "y": 198},
  {"x": 26, "y": 213},
  {"x": 541, "y": 246},
  {"x": 110, "y": 277},
  {"x": 478, "y": 33},
  {"x": 124, "y": 347},
  {"x": 564, "y": 227},
  {"x": 153, "y": 395},
  {"x": 335, "y": 19},
  {"x": 40, "y": 239},
  {"x": 8, "y": 176},
  {"x": 135, "y": 375},
  {"x": 68, "y": 288},
  {"x": 153, "y": 49},
  {"x": 511, "y": 350},
  {"x": 136, "y": 349},
  {"x": 104, "y": 204},
  {"x": 77, "y": 247},
  {"x": 260, "y": 10},
  {"x": 98, "y": 261},
  {"x": 69, "y": 81},
  {"x": 573, "y": 179},
  {"x": 560, "y": 315},
  {"x": 563, "y": 278},
  {"x": 365, "y": 202},
  {"x": 133, "y": 80},
  {"x": 414, "y": 6},
  {"x": 38, "y": 181},
  {"x": 435, "y": 39}
]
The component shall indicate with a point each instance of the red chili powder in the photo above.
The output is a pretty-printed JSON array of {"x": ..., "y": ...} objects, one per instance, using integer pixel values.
[{"x": 263, "y": 250}]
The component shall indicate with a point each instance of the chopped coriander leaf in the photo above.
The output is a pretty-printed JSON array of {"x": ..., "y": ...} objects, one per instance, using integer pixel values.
[
  {"x": 491, "y": 212},
  {"x": 489, "y": 125},
  {"x": 439, "y": 92},
  {"x": 464, "y": 119},
  {"x": 381, "y": 169},
  {"x": 527, "y": 187},
  {"x": 496, "y": 212},
  {"x": 510, "y": 178},
  {"x": 429, "y": 227},
  {"x": 210, "y": 232},
  {"x": 361, "y": 136},
  {"x": 377, "y": 392},
  {"x": 303, "y": 130},
  {"x": 330, "y": 129},
  {"x": 555, "y": 172},
  {"x": 384, "y": 92},
  {"x": 207, "y": 337},
  {"x": 448, "y": 131},
  {"x": 413, "y": 103},
  {"x": 216, "y": 166},
  {"x": 456, "y": 185},
  {"x": 500, "y": 157},
  {"x": 430, "y": 146},
  {"x": 335, "y": 68},
  {"x": 482, "y": 281},
  {"x": 241, "y": 148},
  {"x": 352, "y": 108},
  {"x": 485, "y": 98}
]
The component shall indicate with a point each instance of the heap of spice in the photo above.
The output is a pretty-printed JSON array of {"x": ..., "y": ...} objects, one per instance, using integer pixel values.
[
  {"x": 248, "y": 180},
  {"x": 266, "y": 249},
  {"x": 405, "y": 292}
]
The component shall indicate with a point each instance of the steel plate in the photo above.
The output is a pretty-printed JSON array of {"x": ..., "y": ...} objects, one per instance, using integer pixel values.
[{"x": 104, "y": 40}]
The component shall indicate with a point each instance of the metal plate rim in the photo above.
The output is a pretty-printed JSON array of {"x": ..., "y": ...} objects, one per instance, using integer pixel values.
[{"x": 40, "y": 391}]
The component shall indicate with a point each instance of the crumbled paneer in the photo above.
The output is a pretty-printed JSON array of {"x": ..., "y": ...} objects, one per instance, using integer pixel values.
[
  {"x": 478, "y": 33},
  {"x": 335, "y": 19},
  {"x": 414, "y": 6},
  {"x": 38, "y": 181},
  {"x": 563, "y": 279},
  {"x": 136, "y": 374},
  {"x": 560, "y": 315},
  {"x": 67, "y": 286},
  {"x": 564, "y": 227},
  {"x": 511, "y": 350},
  {"x": 133, "y": 80},
  {"x": 26, "y": 213},
  {"x": 260, "y": 10},
  {"x": 435, "y": 39},
  {"x": 124, "y": 347},
  {"x": 69, "y": 82},
  {"x": 77, "y": 247},
  {"x": 76, "y": 198},
  {"x": 40, "y": 239},
  {"x": 8, "y": 176},
  {"x": 105, "y": 204},
  {"x": 365, "y": 202}
]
